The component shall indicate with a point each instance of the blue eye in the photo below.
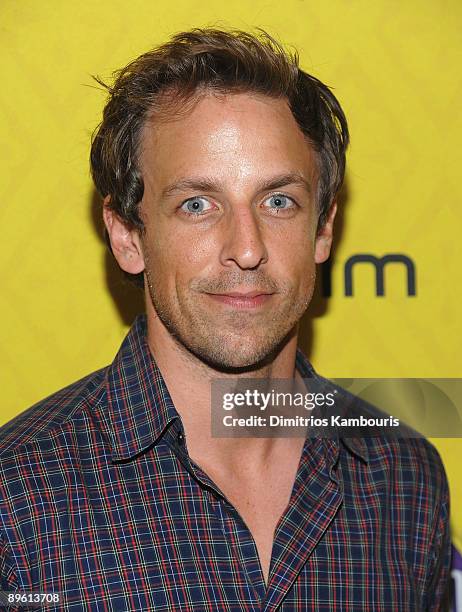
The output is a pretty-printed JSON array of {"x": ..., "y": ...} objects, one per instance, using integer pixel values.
[
  {"x": 280, "y": 202},
  {"x": 196, "y": 206}
]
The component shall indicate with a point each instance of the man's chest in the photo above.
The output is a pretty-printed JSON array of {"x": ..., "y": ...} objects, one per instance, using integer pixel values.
[
  {"x": 199, "y": 556},
  {"x": 261, "y": 509},
  {"x": 148, "y": 535}
]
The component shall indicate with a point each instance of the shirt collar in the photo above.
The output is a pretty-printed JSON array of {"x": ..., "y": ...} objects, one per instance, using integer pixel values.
[
  {"x": 140, "y": 408},
  {"x": 355, "y": 445},
  {"x": 139, "y": 405}
]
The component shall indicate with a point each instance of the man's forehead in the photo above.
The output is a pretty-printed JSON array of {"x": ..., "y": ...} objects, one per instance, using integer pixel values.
[
  {"x": 235, "y": 134},
  {"x": 226, "y": 115}
]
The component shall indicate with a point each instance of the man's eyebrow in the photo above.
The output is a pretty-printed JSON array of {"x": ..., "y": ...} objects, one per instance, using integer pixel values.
[
  {"x": 203, "y": 184},
  {"x": 191, "y": 184},
  {"x": 283, "y": 180}
]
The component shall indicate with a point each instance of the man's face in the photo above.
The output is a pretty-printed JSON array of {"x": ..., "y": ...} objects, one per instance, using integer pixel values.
[{"x": 229, "y": 209}]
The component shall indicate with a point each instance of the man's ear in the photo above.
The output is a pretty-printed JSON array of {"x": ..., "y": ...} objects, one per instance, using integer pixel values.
[
  {"x": 125, "y": 241},
  {"x": 324, "y": 236}
]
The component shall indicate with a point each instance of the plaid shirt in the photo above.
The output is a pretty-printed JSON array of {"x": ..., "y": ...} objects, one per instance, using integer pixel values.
[{"x": 100, "y": 501}]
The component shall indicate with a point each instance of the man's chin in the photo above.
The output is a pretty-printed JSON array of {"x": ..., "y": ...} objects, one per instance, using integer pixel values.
[
  {"x": 238, "y": 355},
  {"x": 234, "y": 364}
]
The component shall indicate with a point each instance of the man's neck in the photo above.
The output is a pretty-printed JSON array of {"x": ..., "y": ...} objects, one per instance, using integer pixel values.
[{"x": 188, "y": 380}]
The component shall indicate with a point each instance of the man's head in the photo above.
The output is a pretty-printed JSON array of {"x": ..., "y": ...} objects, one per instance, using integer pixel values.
[{"x": 219, "y": 161}]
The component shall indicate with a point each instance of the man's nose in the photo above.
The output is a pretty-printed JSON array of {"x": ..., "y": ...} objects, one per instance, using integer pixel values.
[{"x": 243, "y": 242}]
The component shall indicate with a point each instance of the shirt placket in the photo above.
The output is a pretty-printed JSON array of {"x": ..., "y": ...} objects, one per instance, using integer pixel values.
[
  {"x": 316, "y": 497},
  {"x": 237, "y": 534}
]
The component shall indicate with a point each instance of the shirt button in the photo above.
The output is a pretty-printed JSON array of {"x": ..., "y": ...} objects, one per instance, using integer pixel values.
[{"x": 180, "y": 439}]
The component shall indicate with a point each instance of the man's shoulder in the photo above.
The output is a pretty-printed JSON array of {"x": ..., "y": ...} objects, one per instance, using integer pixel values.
[
  {"x": 411, "y": 455},
  {"x": 409, "y": 472},
  {"x": 401, "y": 453},
  {"x": 51, "y": 414}
]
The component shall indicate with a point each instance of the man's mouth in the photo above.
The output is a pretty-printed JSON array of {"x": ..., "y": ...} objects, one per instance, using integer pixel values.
[{"x": 242, "y": 300}]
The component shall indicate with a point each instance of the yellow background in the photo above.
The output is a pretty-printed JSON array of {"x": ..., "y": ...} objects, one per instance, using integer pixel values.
[{"x": 395, "y": 66}]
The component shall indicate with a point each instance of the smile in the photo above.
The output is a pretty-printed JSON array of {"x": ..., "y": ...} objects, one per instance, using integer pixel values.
[{"x": 242, "y": 300}]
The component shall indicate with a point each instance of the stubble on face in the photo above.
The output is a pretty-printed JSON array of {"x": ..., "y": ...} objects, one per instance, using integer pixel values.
[{"x": 232, "y": 339}]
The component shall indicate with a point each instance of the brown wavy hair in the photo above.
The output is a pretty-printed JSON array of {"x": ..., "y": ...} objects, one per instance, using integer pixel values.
[{"x": 161, "y": 83}]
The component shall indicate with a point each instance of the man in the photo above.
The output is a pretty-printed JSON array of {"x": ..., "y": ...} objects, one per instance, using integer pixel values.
[{"x": 219, "y": 162}]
